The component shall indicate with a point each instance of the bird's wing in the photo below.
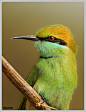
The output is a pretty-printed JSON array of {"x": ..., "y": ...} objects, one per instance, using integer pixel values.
[{"x": 31, "y": 79}]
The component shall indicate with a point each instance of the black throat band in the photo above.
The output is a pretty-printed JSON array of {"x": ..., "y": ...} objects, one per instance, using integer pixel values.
[{"x": 47, "y": 57}]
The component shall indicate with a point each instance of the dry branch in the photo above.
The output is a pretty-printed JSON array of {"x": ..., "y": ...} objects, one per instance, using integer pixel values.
[{"x": 23, "y": 86}]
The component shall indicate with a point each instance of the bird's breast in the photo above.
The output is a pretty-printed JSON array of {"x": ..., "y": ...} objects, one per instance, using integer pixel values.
[{"x": 56, "y": 78}]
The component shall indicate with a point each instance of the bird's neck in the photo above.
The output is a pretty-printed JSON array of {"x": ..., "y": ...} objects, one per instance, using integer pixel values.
[{"x": 62, "y": 56}]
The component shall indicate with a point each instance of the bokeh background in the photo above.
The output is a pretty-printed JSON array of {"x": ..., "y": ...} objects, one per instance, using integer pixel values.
[{"x": 25, "y": 18}]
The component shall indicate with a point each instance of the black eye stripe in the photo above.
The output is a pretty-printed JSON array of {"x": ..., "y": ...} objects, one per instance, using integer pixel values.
[{"x": 61, "y": 42}]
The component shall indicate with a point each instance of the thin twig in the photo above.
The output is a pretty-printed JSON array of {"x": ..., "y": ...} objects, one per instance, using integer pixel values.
[{"x": 23, "y": 86}]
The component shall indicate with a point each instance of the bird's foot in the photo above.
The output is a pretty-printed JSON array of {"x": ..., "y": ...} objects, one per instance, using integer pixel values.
[
  {"x": 41, "y": 103},
  {"x": 43, "y": 98}
]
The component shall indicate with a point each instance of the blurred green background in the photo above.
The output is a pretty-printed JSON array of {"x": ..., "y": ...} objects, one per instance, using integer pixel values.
[{"x": 25, "y": 18}]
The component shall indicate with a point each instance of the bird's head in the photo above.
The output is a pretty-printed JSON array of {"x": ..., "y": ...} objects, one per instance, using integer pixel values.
[{"x": 52, "y": 40}]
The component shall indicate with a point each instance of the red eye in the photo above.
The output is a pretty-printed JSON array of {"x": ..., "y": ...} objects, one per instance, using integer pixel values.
[{"x": 51, "y": 38}]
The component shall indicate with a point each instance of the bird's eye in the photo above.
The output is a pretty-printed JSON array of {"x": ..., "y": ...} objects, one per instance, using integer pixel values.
[{"x": 51, "y": 38}]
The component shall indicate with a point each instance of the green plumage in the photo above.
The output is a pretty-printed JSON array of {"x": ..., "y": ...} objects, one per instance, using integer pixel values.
[{"x": 55, "y": 78}]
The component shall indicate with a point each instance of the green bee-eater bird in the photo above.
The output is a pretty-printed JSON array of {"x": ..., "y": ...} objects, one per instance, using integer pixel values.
[{"x": 54, "y": 75}]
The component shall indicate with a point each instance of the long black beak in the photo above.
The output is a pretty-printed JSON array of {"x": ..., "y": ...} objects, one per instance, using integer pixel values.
[{"x": 27, "y": 37}]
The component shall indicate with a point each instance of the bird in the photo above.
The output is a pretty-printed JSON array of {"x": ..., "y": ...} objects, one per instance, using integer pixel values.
[{"x": 54, "y": 76}]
